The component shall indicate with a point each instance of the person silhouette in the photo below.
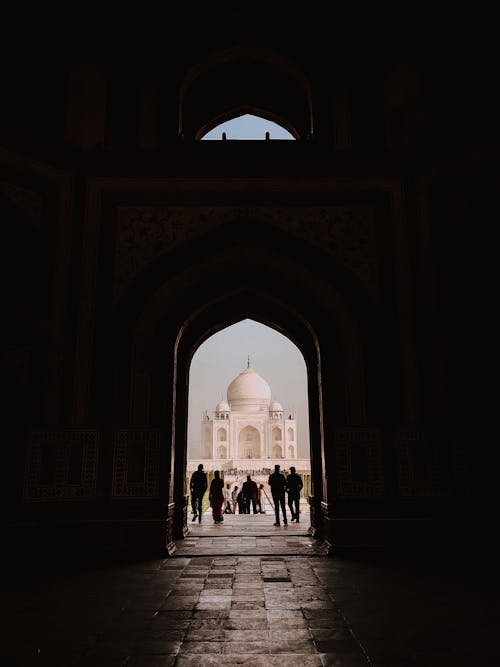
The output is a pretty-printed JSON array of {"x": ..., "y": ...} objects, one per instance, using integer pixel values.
[
  {"x": 198, "y": 485},
  {"x": 227, "y": 499},
  {"x": 251, "y": 493},
  {"x": 216, "y": 496},
  {"x": 277, "y": 482},
  {"x": 294, "y": 486},
  {"x": 261, "y": 498},
  {"x": 234, "y": 498}
]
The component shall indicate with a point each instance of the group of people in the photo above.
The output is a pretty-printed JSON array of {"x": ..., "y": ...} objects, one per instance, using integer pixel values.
[
  {"x": 222, "y": 500},
  {"x": 292, "y": 485},
  {"x": 218, "y": 496},
  {"x": 249, "y": 494}
]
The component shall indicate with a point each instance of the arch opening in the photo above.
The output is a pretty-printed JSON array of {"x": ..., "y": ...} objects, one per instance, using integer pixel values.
[
  {"x": 247, "y": 127},
  {"x": 250, "y": 441}
]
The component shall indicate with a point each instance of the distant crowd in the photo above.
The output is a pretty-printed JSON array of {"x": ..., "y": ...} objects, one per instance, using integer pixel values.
[{"x": 224, "y": 500}]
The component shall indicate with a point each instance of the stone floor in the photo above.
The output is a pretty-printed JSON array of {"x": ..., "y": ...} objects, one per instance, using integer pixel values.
[
  {"x": 249, "y": 535},
  {"x": 280, "y": 607}
]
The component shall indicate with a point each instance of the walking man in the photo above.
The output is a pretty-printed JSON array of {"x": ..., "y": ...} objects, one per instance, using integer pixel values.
[
  {"x": 277, "y": 482},
  {"x": 198, "y": 486},
  {"x": 294, "y": 486}
]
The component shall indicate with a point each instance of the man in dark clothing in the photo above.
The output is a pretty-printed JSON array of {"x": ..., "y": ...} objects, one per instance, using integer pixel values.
[
  {"x": 198, "y": 486},
  {"x": 294, "y": 486},
  {"x": 242, "y": 504},
  {"x": 251, "y": 493},
  {"x": 277, "y": 482}
]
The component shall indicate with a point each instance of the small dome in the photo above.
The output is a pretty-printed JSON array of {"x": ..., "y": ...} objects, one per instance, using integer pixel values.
[
  {"x": 222, "y": 406},
  {"x": 275, "y": 407}
]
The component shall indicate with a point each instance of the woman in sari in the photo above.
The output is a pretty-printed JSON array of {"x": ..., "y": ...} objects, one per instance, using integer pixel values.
[{"x": 216, "y": 496}]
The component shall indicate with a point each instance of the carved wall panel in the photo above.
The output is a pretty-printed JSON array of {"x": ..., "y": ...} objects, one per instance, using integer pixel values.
[
  {"x": 145, "y": 233},
  {"x": 431, "y": 463},
  {"x": 359, "y": 464},
  {"x": 29, "y": 202},
  {"x": 15, "y": 363},
  {"x": 61, "y": 465},
  {"x": 136, "y": 464}
]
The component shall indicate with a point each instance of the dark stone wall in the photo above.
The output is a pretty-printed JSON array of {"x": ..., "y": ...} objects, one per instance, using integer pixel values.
[{"x": 363, "y": 241}]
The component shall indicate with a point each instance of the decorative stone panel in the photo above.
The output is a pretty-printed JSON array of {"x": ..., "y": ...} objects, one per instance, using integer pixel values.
[
  {"x": 31, "y": 203},
  {"x": 432, "y": 463},
  {"x": 145, "y": 233},
  {"x": 359, "y": 463},
  {"x": 61, "y": 465},
  {"x": 136, "y": 464}
]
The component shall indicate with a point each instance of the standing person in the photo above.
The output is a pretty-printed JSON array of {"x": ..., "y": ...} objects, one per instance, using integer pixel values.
[
  {"x": 234, "y": 498},
  {"x": 277, "y": 482},
  {"x": 261, "y": 498},
  {"x": 197, "y": 486},
  {"x": 216, "y": 497},
  {"x": 227, "y": 499},
  {"x": 242, "y": 505},
  {"x": 251, "y": 493},
  {"x": 294, "y": 486}
]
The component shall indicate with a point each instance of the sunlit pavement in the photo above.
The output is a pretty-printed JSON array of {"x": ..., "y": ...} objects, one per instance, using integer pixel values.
[{"x": 250, "y": 534}]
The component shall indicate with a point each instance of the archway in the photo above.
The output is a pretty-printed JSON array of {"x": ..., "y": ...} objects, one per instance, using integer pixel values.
[
  {"x": 247, "y": 124},
  {"x": 277, "y": 452},
  {"x": 169, "y": 324},
  {"x": 249, "y": 446},
  {"x": 221, "y": 452},
  {"x": 245, "y": 77}
]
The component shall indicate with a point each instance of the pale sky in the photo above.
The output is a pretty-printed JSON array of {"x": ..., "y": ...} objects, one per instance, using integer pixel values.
[
  {"x": 224, "y": 356},
  {"x": 248, "y": 127}
]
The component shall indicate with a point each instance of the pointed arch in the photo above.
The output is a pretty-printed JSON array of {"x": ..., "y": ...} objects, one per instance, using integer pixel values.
[
  {"x": 277, "y": 452},
  {"x": 247, "y": 109},
  {"x": 221, "y": 452},
  {"x": 160, "y": 328},
  {"x": 268, "y": 65}
]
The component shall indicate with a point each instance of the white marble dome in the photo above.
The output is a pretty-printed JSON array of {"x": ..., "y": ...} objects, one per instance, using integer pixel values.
[
  {"x": 275, "y": 407},
  {"x": 222, "y": 406},
  {"x": 248, "y": 392}
]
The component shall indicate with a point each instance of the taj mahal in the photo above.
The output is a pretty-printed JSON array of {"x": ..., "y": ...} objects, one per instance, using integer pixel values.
[{"x": 249, "y": 432}]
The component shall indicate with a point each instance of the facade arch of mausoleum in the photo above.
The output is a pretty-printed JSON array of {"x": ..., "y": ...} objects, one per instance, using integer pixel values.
[
  {"x": 249, "y": 443},
  {"x": 277, "y": 452}
]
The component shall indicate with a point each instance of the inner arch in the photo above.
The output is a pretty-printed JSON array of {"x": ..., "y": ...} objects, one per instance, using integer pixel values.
[{"x": 248, "y": 127}]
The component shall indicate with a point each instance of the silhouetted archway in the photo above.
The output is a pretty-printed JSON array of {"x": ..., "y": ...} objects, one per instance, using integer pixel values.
[{"x": 235, "y": 272}]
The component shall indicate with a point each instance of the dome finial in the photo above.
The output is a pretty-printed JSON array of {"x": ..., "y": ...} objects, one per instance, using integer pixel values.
[{"x": 248, "y": 361}]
